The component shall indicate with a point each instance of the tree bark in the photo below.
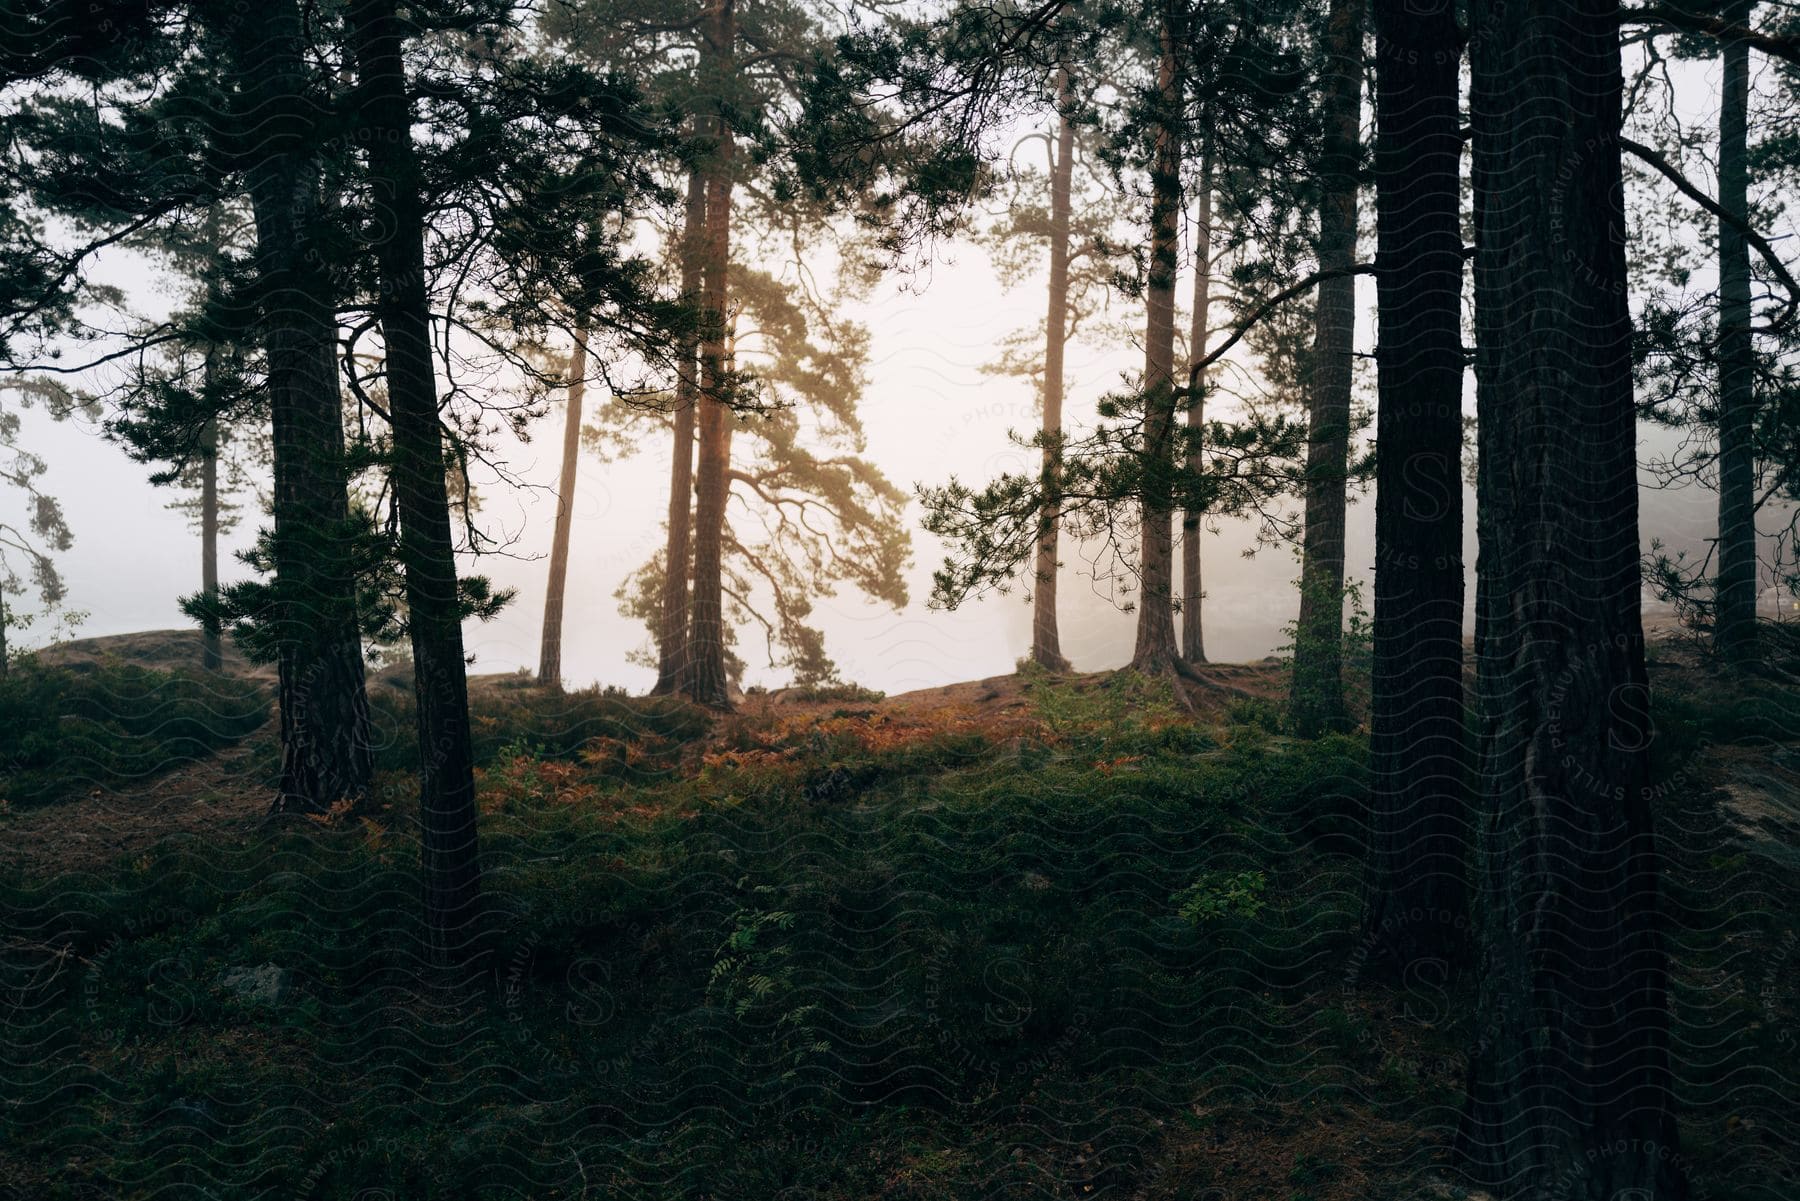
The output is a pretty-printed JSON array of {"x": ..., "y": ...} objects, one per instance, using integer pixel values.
[
  {"x": 1193, "y": 592},
  {"x": 1156, "y": 650},
  {"x": 1317, "y": 701},
  {"x": 212, "y": 656},
  {"x": 452, "y": 868},
  {"x": 1417, "y": 908},
  {"x": 1569, "y": 1084},
  {"x": 326, "y": 752},
  {"x": 1046, "y": 642},
  {"x": 673, "y": 620},
  {"x": 1734, "y": 629},
  {"x": 550, "y": 651},
  {"x": 707, "y": 680}
]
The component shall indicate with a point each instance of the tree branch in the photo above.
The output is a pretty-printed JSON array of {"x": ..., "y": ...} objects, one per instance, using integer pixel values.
[
  {"x": 1774, "y": 45},
  {"x": 1712, "y": 206}
]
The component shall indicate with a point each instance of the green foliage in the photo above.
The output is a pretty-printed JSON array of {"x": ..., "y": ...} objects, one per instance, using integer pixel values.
[
  {"x": 519, "y": 718},
  {"x": 1217, "y": 896},
  {"x": 67, "y": 729},
  {"x": 1123, "y": 715},
  {"x": 811, "y": 514},
  {"x": 1104, "y": 476},
  {"x": 849, "y": 694},
  {"x": 859, "y": 971},
  {"x": 1355, "y": 654}
]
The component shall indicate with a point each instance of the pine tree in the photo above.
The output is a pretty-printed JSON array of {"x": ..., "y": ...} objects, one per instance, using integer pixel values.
[
  {"x": 1570, "y": 1086},
  {"x": 672, "y": 629},
  {"x": 550, "y": 647},
  {"x": 312, "y": 611},
  {"x": 1734, "y": 619},
  {"x": 1318, "y": 685},
  {"x": 1046, "y": 640},
  {"x": 1418, "y": 902},
  {"x": 1193, "y": 591}
]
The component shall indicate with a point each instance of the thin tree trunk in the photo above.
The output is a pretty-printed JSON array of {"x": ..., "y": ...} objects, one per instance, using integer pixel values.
[
  {"x": 707, "y": 680},
  {"x": 672, "y": 633},
  {"x": 1193, "y": 591},
  {"x": 326, "y": 754},
  {"x": 452, "y": 867},
  {"x": 1046, "y": 643},
  {"x": 1734, "y": 630},
  {"x": 550, "y": 652},
  {"x": 1156, "y": 650},
  {"x": 212, "y": 656},
  {"x": 1318, "y": 684},
  {"x": 1417, "y": 907},
  {"x": 1569, "y": 1084}
]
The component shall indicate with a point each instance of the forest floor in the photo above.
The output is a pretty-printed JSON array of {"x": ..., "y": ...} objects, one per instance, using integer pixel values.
[
  {"x": 225, "y": 797},
  {"x": 1031, "y": 936}
]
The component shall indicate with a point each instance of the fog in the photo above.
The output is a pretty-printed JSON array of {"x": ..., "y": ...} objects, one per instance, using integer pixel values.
[{"x": 930, "y": 413}]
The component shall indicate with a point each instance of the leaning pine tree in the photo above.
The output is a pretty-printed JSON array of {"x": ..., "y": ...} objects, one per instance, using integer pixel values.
[
  {"x": 1569, "y": 1086},
  {"x": 452, "y": 869}
]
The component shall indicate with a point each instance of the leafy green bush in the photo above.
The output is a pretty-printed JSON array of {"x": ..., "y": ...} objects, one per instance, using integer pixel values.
[{"x": 843, "y": 694}]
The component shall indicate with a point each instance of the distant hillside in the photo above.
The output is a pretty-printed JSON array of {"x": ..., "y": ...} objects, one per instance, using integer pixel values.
[{"x": 166, "y": 650}]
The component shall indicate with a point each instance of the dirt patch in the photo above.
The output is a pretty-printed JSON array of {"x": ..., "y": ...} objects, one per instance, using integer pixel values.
[{"x": 219, "y": 800}]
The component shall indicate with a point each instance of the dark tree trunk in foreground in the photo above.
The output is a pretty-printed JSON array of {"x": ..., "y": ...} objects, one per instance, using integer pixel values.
[
  {"x": 707, "y": 680},
  {"x": 1418, "y": 897},
  {"x": 1046, "y": 643},
  {"x": 212, "y": 655},
  {"x": 1317, "y": 702},
  {"x": 1569, "y": 1087},
  {"x": 452, "y": 868},
  {"x": 1156, "y": 650},
  {"x": 550, "y": 650},
  {"x": 1735, "y": 628},
  {"x": 324, "y": 713},
  {"x": 1193, "y": 591},
  {"x": 672, "y": 634}
]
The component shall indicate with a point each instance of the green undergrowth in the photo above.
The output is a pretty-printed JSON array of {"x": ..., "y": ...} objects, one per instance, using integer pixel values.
[{"x": 838, "y": 957}]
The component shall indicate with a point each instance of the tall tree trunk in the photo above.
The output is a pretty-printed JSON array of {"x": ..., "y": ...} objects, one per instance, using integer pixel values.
[
  {"x": 1193, "y": 591},
  {"x": 452, "y": 868},
  {"x": 1317, "y": 702},
  {"x": 1734, "y": 630},
  {"x": 1418, "y": 898},
  {"x": 1046, "y": 643},
  {"x": 672, "y": 633},
  {"x": 1156, "y": 650},
  {"x": 326, "y": 754},
  {"x": 707, "y": 680},
  {"x": 212, "y": 656},
  {"x": 550, "y": 651},
  {"x": 1569, "y": 1086}
]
